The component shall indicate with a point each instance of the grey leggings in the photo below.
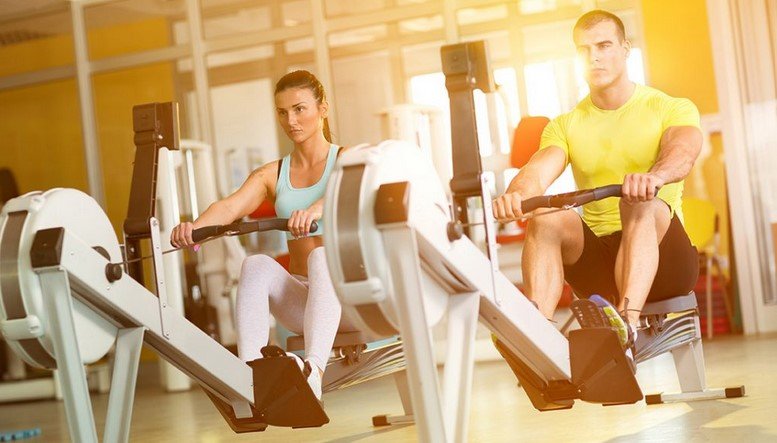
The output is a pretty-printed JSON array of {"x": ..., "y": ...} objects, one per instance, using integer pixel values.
[{"x": 309, "y": 307}]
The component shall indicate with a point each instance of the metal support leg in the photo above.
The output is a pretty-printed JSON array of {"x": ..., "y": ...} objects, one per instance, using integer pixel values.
[
  {"x": 689, "y": 362},
  {"x": 400, "y": 378},
  {"x": 403, "y": 389},
  {"x": 59, "y": 308},
  {"x": 404, "y": 263},
  {"x": 125, "y": 373},
  {"x": 460, "y": 363}
]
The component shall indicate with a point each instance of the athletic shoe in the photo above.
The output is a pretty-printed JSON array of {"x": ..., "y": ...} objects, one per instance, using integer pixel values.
[
  {"x": 313, "y": 376},
  {"x": 314, "y": 379},
  {"x": 615, "y": 319},
  {"x": 627, "y": 334}
]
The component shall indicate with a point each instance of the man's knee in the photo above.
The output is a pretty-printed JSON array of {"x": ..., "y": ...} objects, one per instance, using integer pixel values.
[
  {"x": 557, "y": 227},
  {"x": 548, "y": 225},
  {"x": 646, "y": 208},
  {"x": 655, "y": 210}
]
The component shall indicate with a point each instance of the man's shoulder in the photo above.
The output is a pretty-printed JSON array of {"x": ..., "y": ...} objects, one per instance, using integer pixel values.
[
  {"x": 657, "y": 96},
  {"x": 672, "y": 110}
]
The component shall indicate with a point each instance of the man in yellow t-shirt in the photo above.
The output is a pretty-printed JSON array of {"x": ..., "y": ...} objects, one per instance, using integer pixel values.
[{"x": 630, "y": 249}]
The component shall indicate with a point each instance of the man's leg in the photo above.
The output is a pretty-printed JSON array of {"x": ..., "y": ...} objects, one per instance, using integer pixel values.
[
  {"x": 552, "y": 241},
  {"x": 644, "y": 226}
]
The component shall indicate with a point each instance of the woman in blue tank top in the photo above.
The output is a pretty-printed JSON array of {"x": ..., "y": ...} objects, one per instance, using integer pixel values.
[{"x": 302, "y": 298}]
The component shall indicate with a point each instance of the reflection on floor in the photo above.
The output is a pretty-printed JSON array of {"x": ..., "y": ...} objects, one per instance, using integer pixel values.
[{"x": 500, "y": 410}]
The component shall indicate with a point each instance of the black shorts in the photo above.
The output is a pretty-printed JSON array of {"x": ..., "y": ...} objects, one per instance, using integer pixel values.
[{"x": 594, "y": 271}]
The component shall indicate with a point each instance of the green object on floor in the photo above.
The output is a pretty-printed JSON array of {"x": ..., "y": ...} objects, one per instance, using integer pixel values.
[{"x": 19, "y": 435}]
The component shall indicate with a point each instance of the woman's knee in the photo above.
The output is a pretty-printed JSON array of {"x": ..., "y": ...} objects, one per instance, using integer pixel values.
[
  {"x": 257, "y": 262},
  {"x": 317, "y": 255}
]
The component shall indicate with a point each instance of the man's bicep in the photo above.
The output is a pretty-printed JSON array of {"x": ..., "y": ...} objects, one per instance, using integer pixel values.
[
  {"x": 548, "y": 164},
  {"x": 689, "y": 138}
]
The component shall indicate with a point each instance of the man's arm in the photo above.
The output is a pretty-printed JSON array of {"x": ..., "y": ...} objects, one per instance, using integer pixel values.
[
  {"x": 679, "y": 148},
  {"x": 532, "y": 180}
]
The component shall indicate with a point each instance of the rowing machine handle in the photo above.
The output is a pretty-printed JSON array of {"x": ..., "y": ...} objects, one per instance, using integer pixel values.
[
  {"x": 273, "y": 224},
  {"x": 201, "y": 234},
  {"x": 572, "y": 199},
  {"x": 608, "y": 191}
]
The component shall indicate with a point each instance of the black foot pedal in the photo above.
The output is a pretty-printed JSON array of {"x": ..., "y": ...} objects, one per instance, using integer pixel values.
[
  {"x": 588, "y": 314},
  {"x": 282, "y": 395},
  {"x": 601, "y": 371}
]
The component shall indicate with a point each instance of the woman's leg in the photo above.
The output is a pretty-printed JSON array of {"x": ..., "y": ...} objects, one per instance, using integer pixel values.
[
  {"x": 265, "y": 283},
  {"x": 322, "y": 312}
]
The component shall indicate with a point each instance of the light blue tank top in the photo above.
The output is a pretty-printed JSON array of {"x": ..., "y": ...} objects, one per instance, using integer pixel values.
[{"x": 288, "y": 198}]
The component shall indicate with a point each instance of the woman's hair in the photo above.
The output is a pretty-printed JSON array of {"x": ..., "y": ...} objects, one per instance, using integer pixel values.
[{"x": 304, "y": 79}]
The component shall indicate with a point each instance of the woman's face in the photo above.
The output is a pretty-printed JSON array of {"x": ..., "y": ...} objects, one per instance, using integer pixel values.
[{"x": 300, "y": 116}]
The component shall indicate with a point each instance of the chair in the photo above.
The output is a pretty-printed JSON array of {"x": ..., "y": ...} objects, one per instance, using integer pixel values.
[{"x": 702, "y": 226}]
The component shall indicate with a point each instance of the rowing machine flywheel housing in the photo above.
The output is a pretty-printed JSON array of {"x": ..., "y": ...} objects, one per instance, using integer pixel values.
[
  {"x": 356, "y": 255},
  {"x": 23, "y": 316}
]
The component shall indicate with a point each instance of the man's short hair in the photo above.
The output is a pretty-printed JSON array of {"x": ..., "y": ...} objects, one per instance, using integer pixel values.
[{"x": 591, "y": 18}]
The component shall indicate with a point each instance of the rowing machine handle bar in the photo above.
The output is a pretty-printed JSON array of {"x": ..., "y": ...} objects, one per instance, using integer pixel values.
[
  {"x": 570, "y": 199},
  {"x": 273, "y": 224},
  {"x": 201, "y": 234}
]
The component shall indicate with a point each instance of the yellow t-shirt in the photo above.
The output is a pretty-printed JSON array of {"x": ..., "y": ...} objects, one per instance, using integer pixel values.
[{"x": 604, "y": 145}]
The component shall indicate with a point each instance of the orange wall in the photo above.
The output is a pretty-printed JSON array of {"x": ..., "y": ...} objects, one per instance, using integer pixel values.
[
  {"x": 41, "y": 124},
  {"x": 679, "y": 52},
  {"x": 679, "y": 62}
]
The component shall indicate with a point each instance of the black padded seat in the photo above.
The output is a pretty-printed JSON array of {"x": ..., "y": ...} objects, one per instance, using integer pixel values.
[
  {"x": 342, "y": 339},
  {"x": 675, "y": 304}
]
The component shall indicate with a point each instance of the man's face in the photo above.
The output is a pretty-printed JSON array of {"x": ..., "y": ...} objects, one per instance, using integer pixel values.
[{"x": 602, "y": 53}]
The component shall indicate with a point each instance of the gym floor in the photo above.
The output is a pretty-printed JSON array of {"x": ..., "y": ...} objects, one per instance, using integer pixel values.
[{"x": 500, "y": 411}]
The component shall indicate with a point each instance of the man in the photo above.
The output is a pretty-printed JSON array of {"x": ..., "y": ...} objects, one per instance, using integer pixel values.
[{"x": 628, "y": 250}]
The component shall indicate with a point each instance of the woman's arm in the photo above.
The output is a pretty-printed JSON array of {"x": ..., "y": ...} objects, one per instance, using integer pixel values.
[{"x": 233, "y": 207}]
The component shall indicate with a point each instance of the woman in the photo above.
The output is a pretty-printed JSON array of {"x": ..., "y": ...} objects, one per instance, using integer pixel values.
[{"x": 302, "y": 299}]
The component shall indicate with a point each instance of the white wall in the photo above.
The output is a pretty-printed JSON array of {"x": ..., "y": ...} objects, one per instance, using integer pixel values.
[
  {"x": 244, "y": 117},
  {"x": 362, "y": 89}
]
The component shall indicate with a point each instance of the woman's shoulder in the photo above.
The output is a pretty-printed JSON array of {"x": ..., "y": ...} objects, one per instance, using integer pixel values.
[{"x": 266, "y": 174}]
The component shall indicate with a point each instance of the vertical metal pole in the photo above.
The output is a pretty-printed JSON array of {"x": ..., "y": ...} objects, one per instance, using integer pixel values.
[
  {"x": 88, "y": 122},
  {"x": 202, "y": 88},
  {"x": 518, "y": 57},
  {"x": 323, "y": 66},
  {"x": 450, "y": 23},
  {"x": 195, "y": 209}
]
